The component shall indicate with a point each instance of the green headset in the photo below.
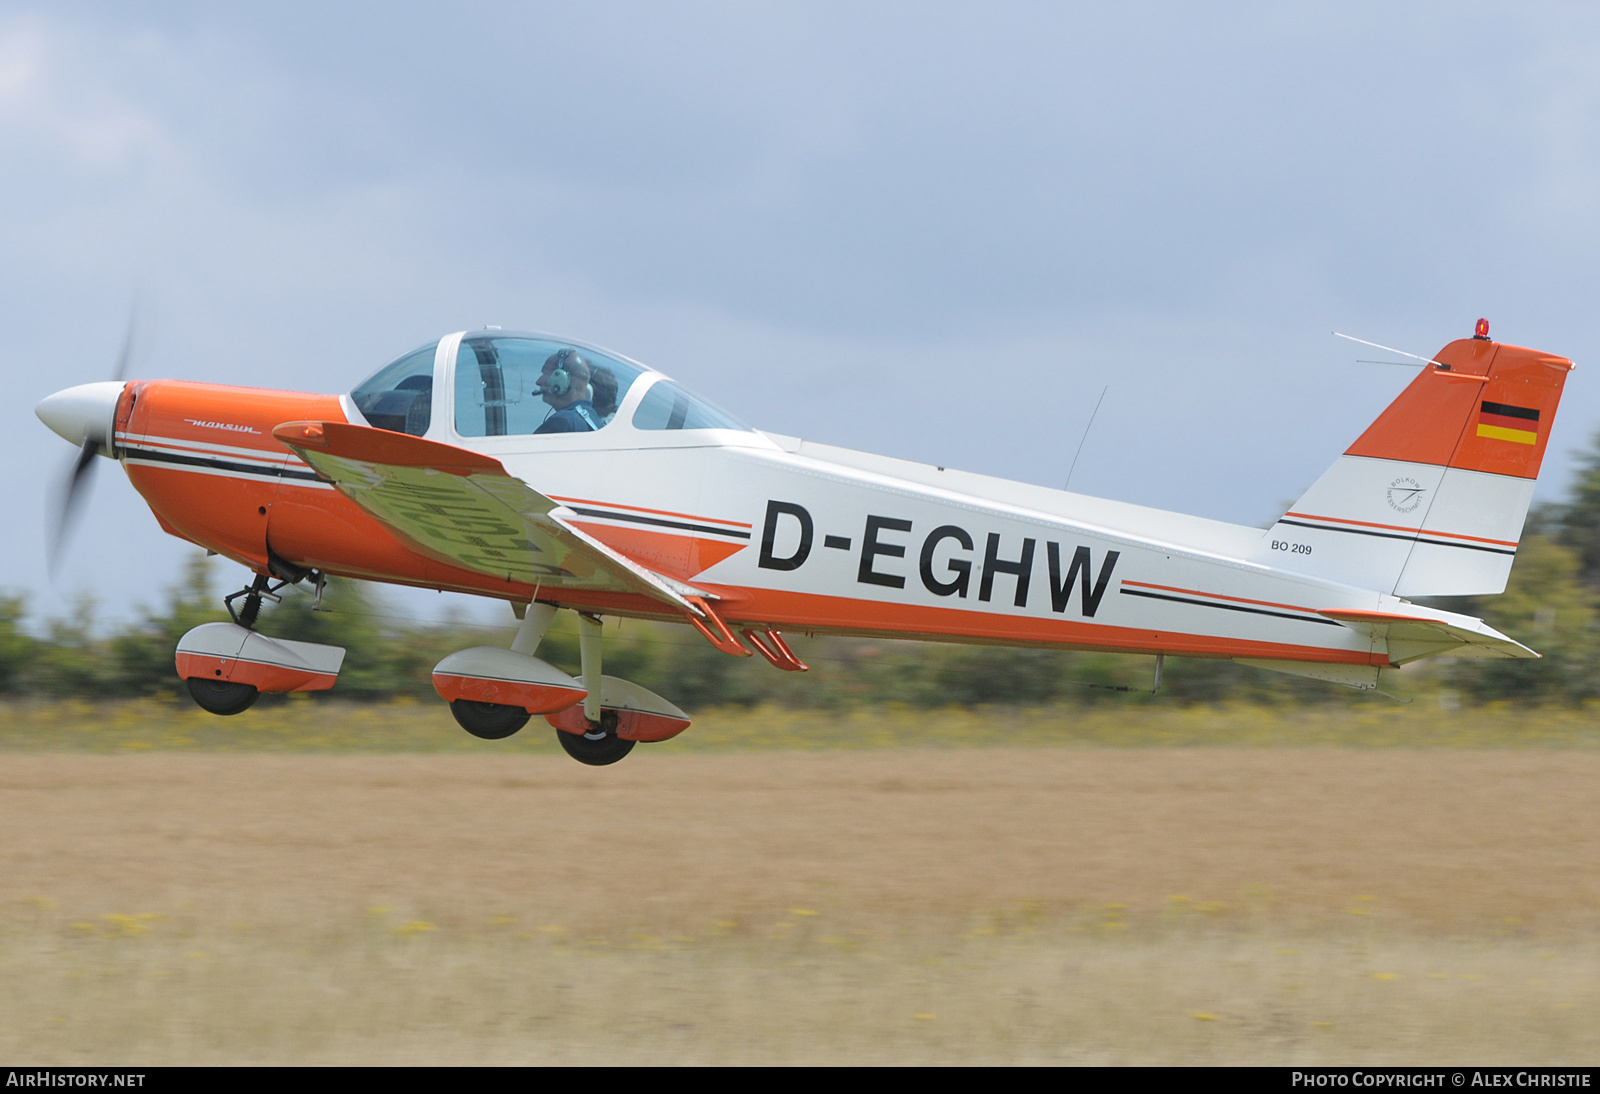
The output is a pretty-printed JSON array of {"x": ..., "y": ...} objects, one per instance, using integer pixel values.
[{"x": 558, "y": 381}]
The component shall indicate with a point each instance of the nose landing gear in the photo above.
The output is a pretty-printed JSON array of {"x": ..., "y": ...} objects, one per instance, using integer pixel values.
[
  {"x": 227, "y": 697},
  {"x": 226, "y": 666},
  {"x": 253, "y": 593}
]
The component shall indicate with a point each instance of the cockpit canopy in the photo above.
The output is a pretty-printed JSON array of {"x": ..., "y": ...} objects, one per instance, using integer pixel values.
[
  {"x": 509, "y": 384},
  {"x": 399, "y": 397}
]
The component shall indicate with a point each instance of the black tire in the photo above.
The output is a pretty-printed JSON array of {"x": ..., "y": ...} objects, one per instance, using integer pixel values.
[
  {"x": 490, "y": 721},
  {"x": 221, "y": 696},
  {"x": 600, "y": 746}
]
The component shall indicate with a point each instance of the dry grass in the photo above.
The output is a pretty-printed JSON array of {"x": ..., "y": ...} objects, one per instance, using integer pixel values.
[
  {"x": 1442, "y": 840},
  {"x": 389, "y": 990},
  {"x": 1290, "y": 905},
  {"x": 301, "y": 724}
]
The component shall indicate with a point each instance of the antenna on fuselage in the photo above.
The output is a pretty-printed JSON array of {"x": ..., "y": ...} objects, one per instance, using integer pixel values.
[{"x": 1086, "y": 429}]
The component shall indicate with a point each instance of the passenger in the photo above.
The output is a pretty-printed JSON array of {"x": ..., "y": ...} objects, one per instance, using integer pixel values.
[
  {"x": 564, "y": 384},
  {"x": 603, "y": 382}
]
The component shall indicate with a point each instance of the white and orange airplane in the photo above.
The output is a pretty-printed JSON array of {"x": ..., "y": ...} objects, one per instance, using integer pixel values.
[{"x": 556, "y": 475}]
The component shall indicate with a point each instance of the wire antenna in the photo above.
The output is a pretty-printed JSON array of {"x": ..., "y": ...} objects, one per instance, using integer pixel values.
[
  {"x": 1086, "y": 429},
  {"x": 1390, "y": 349}
]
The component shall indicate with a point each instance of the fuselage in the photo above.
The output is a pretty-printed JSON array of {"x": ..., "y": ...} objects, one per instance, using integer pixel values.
[{"x": 786, "y": 533}]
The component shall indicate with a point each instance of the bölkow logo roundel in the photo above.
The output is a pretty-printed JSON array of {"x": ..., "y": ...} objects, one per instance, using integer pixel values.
[{"x": 1405, "y": 495}]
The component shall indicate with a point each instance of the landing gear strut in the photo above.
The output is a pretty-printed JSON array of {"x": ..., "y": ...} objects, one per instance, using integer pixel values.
[
  {"x": 253, "y": 595},
  {"x": 598, "y": 745},
  {"x": 598, "y": 719},
  {"x": 262, "y": 589}
]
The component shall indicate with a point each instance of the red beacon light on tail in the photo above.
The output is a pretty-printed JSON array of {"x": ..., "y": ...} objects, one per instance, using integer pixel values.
[{"x": 1481, "y": 331}]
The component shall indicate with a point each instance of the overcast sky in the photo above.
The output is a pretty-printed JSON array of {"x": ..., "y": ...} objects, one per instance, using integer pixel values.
[{"x": 932, "y": 231}]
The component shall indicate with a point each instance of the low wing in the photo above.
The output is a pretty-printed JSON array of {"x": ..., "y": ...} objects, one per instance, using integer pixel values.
[
  {"x": 1412, "y": 636},
  {"x": 463, "y": 508}
]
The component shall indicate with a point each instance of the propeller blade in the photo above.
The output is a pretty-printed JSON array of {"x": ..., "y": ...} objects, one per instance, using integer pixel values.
[
  {"x": 77, "y": 485},
  {"x": 81, "y": 476},
  {"x": 121, "y": 370}
]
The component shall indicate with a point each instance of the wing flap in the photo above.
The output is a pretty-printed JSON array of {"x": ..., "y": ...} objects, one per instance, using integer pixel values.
[{"x": 463, "y": 508}]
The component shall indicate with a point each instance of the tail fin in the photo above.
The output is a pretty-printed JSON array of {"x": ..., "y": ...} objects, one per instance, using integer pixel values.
[{"x": 1431, "y": 499}]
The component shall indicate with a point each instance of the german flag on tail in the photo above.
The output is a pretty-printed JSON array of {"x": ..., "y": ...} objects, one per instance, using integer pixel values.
[
  {"x": 1503, "y": 422},
  {"x": 1447, "y": 471}
]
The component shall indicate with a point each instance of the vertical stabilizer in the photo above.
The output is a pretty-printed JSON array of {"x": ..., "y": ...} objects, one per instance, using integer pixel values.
[{"x": 1431, "y": 499}]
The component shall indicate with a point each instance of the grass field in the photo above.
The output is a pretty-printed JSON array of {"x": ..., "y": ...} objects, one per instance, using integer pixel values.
[
  {"x": 298, "y": 723},
  {"x": 1405, "y": 885},
  {"x": 392, "y": 992}
]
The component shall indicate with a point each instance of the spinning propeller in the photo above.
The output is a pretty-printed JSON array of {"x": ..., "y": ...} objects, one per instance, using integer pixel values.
[{"x": 84, "y": 415}]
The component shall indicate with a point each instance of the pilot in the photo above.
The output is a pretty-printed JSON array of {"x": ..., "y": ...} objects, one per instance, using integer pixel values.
[
  {"x": 603, "y": 382},
  {"x": 564, "y": 385}
]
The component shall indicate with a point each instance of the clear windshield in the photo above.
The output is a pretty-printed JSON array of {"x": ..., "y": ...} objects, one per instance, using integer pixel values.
[
  {"x": 514, "y": 384},
  {"x": 399, "y": 396}
]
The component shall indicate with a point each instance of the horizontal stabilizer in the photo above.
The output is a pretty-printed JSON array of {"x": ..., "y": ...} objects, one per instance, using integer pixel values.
[
  {"x": 1360, "y": 677},
  {"x": 1410, "y": 637}
]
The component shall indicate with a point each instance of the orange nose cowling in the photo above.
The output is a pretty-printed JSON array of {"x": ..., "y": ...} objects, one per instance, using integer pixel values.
[{"x": 204, "y": 458}]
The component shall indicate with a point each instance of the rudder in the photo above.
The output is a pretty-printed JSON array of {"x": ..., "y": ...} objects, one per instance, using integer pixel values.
[{"x": 1431, "y": 499}]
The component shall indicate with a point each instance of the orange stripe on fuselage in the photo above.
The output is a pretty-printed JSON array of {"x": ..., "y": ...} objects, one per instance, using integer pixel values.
[
  {"x": 679, "y": 556},
  {"x": 135, "y": 444},
  {"x": 838, "y": 614},
  {"x": 641, "y": 509},
  {"x": 1403, "y": 528},
  {"x": 1219, "y": 596}
]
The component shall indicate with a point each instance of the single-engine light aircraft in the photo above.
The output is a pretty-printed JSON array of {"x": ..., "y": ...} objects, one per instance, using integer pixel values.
[{"x": 560, "y": 476}]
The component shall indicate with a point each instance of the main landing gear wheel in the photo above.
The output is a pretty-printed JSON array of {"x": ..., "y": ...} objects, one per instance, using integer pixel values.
[
  {"x": 598, "y": 747},
  {"x": 221, "y": 696},
  {"x": 491, "y": 721}
]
